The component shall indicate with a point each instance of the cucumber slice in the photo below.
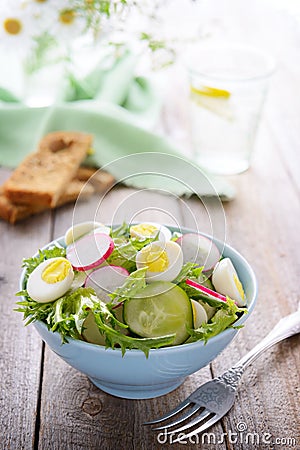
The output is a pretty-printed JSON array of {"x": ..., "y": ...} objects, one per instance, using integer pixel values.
[
  {"x": 162, "y": 308},
  {"x": 91, "y": 331}
]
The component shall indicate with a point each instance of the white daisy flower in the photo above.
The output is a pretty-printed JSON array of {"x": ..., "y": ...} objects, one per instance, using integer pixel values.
[
  {"x": 16, "y": 28},
  {"x": 64, "y": 22},
  {"x": 41, "y": 11},
  {"x": 56, "y": 17}
]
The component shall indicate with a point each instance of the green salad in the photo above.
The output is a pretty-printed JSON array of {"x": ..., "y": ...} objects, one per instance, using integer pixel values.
[{"x": 138, "y": 286}]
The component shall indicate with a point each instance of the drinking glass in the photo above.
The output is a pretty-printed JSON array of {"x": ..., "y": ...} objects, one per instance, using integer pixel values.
[{"x": 228, "y": 86}]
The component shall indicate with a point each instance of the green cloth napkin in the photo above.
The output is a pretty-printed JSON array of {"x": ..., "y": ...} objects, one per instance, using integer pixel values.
[{"x": 116, "y": 107}]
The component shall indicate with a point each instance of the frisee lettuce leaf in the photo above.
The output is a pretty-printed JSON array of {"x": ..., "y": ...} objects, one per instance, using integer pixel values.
[
  {"x": 196, "y": 294},
  {"x": 122, "y": 230},
  {"x": 71, "y": 310},
  {"x": 189, "y": 270},
  {"x": 133, "y": 284},
  {"x": 222, "y": 319},
  {"x": 113, "y": 337},
  {"x": 67, "y": 315},
  {"x": 124, "y": 253}
]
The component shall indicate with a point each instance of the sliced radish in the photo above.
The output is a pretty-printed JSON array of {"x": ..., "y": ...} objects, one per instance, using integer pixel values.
[
  {"x": 206, "y": 290},
  {"x": 200, "y": 250},
  {"x": 105, "y": 280},
  {"x": 90, "y": 251}
]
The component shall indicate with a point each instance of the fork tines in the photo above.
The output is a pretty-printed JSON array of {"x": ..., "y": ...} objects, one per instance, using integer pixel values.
[
  {"x": 171, "y": 413},
  {"x": 206, "y": 418}
]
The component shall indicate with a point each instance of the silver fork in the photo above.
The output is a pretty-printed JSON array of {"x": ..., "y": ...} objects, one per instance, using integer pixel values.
[{"x": 214, "y": 399}]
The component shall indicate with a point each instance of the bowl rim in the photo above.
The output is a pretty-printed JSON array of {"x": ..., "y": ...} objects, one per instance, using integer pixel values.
[{"x": 167, "y": 349}]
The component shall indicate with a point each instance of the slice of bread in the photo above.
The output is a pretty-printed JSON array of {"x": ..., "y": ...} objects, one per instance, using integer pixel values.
[
  {"x": 60, "y": 140},
  {"x": 43, "y": 177},
  {"x": 99, "y": 179},
  {"x": 76, "y": 190},
  {"x": 13, "y": 213}
]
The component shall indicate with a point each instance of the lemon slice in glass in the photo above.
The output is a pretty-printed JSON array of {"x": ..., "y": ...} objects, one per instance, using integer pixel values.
[
  {"x": 211, "y": 92},
  {"x": 214, "y": 99}
]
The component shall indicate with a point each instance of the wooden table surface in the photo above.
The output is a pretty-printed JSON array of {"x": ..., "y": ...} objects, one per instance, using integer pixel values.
[{"x": 45, "y": 404}]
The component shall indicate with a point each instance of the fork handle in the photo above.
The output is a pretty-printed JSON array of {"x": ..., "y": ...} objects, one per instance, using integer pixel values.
[{"x": 286, "y": 327}]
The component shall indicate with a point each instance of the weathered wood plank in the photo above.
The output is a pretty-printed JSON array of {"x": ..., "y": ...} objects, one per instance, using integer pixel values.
[
  {"x": 76, "y": 414},
  {"x": 21, "y": 348}
]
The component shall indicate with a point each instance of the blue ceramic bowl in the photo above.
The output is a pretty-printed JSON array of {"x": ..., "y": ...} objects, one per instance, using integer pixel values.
[{"x": 133, "y": 375}]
